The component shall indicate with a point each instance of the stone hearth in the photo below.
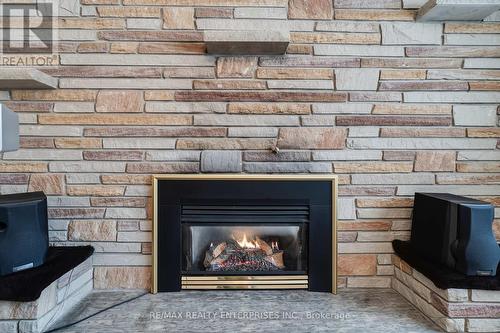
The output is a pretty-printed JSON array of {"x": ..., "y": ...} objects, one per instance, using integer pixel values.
[
  {"x": 56, "y": 300},
  {"x": 454, "y": 310},
  {"x": 359, "y": 310}
]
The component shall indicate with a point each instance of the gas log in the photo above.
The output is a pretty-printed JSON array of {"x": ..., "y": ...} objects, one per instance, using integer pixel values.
[{"x": 233, "y": 255}]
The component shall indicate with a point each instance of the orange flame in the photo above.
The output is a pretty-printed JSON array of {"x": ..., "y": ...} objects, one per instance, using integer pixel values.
[{"x": 246, "y": 244}]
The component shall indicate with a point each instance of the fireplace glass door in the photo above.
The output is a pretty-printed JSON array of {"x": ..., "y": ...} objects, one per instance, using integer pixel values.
[
  {"x": 252, "y": 240},
  {"x": 244, "y": 249}
]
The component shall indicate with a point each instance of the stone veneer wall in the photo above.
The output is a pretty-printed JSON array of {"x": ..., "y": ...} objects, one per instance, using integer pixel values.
[
  {"x": 454, "y": 310},
  {"x": 390, "y": 105}
]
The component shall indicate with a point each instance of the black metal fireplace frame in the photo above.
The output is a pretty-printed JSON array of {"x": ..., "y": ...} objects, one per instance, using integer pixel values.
[{"x": 172, "y": 191}]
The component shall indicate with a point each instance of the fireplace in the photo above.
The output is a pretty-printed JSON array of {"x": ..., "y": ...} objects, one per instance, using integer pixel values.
[{"x": 244, "y": 232}]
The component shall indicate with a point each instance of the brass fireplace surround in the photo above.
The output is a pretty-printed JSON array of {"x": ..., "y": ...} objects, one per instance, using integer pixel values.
[{"x": 246, "y": 281}]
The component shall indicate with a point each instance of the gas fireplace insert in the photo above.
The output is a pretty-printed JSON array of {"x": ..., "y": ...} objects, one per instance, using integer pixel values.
[{"x": 244, "y": 232}]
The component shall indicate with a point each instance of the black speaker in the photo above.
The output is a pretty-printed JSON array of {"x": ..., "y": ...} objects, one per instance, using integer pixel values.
[
  {"x": 455, "y": 231},
  {"x": 476, "y": 251},
  {"x": 24, "y": 238}
]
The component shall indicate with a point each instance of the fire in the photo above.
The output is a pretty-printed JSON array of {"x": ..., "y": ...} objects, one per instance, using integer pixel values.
[{"x": 246, "y": 244}]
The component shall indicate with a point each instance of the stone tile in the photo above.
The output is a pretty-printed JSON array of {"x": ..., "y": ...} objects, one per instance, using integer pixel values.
[
  {"x": 369, "y": 282},
  {"x": 411, "y": 63},
  {"x": 372, "y": 167},
  {"x": 316, "y": 9},
  {"x": 359, "y": 50},
  {"x": 151, "y": 143},
  {"x": 420, "y": 143},
  {"x": 347, "y": 26},
  {"x": 122, "y": 277},
  {"x": 255, "y": 12},
  {"x": 92, "y": 230},
  {"x": 431, "y": 132},
  {"x": 346, "y": 209},
  {"x": 283, "y": 156},
  {"x": 481, "y": 63},
  {"x": 140, "y": 83},
  {"x": 478, "y": 167},
  {"x": 367, "y": 4},
  {"x": 312, "y": 138},
  {"x": 482, "y": 325},
  {"x": 287, "y": 167},
  {"x": 452, "y": 51},
  {"x": 455, "y": 74},
  {"x": 172, "y": 167},
  {"x": 178, "y": 18},
  {"x": 95, "y": 190},
  {"x": 140, "y": 59},
  {"x": 382, "y": 213},
  {"x": 381, "y": 179},
  {"x": 230, "y": 67},
  {"x": 246, "y": 120},
  {"x": 121, "y": 259},
  {"x": 365, "y": 247},
  {"x": 252, "y": 132},
  {"x": 221, "y": 161},
  {"x": 308, "y": 61},
  {"x": 466, "y": 155},
  {"x": 260, "y": 96},
  {"x": 411, "y": 33},
  {"x": 375, "y": 97},
  {"x": 175, "y": 155},
  {"x": 317, "y": 120},
  {"x": 172, "y": 48},
  {"x": 435, "y": 161},
  {"x": 252, "y": 25},
  {"x": 475, "y": 115},
  {"x": 300, "y": 84},
  {"x": 219, "y": 12},
  {"x": 399, "y": 155},
  {"x": 119, "y": 101},
  {"x": 424, "y": 85},
  {"x": 464, "y": 178},
  {"x": 50, "y": 184},
  {"x": 393, "y": 121},
  {"x": 135, "y": 236},
  {"x": 363, "y": 132},
  {"x": 471, "y": 39},
  {"x": 354, "y": 108},
  {"x": 225, "y": 143},
  {"x": 412, "y": 109},
  {"x": 374, "y": 15},
  {"x": 356, "y": 79},
  {"x": 269, "y": 108},
  {"x": 228, "y": 84},
  {"x": 357, "y": 264},
  {"x": 335, "y": 37},
  {"x": 125, "y": 119},
  {"x": 347, "y": 155},
  {"x": 485, "y": 295},
  {"x": 295, "y": 73},
  {"x": 143, "y": 24}
]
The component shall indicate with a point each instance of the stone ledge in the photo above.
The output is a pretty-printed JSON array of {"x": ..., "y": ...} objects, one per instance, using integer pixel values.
[
  {"x": 25, "y": 78},
  {"x": 457, "y": 10},
  {"x": 53, "y": 303},
  {"x": 251, "y": 42},
  {"x": 454, "y": 310}
]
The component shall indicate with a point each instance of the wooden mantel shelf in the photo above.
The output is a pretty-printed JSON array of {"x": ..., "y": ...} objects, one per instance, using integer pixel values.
[
  {"x": 25, "y": 78},
  {"x": 251, "y": 42},
  {"x": 457, "y": 10}
]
